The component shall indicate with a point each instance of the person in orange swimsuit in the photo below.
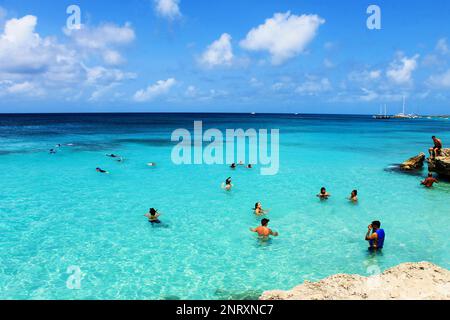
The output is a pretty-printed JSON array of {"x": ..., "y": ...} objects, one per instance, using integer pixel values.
[{"x": 263, "y": 231}]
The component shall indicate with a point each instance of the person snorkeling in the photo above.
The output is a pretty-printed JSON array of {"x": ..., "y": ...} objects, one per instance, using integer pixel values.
[{"x": 101, "y": 170}]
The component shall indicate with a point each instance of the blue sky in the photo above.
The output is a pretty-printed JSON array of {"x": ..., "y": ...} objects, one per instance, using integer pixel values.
[{"x": 224, "y": 55}]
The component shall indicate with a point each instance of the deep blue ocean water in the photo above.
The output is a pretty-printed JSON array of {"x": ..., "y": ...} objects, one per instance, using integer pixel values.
[{"x": 56, "y": 211}]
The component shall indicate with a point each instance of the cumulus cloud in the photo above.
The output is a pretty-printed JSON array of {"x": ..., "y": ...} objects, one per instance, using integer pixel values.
[
  {"x": 104, "y": 39},
  {"x": 400, "y": 71},
  {"x": 314, "y": 86},
  {"x": 220, "y": 52},
  {"x": 161, "y": 87},
  {"x": 32, "y": 64},
  {"x": 442, "y": 46},
  {"x": 365, "y": 76},
  {"x": 284, "y": 36},
  {"x": 168, "y": 8},
  {"x": 440, "y": 80}
]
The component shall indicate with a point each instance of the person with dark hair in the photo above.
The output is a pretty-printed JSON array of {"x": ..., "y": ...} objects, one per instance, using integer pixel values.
[
  {"x": 259, "y": 211},
  {"x": 263, "y": 230},
  {"x": 435, "y": 151},
  {"x": 354, "y": 196},
  {"x": 227, "y": 185},
  {"x": 249, "y": 166},
  {"x": 233, "y": 166},
  {"x": 153, "y": 216},
  {"x": 429, "y": 181},
  {"x": 375, "y": 235},
  {"x": 52, "y": 151},
  {"x": 323, "y": 195}
]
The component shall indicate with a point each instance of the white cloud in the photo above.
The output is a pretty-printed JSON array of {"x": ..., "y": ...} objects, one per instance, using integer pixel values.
[
  {"x": 218, "y": 53},
  {"x": 400, "y": 71},
  {"x": 104, "y": 39},
  {"x": 442, "y": 46},
  {"x": 34, "y": 65},
  {"x": 161, "y": 87},
  {"x": 440, "y": 80},
  {"x": 365, "y": 76},
  {"x": 314, "y": 86},
  {"x": 284, "y": 36},
  {"x": 168, "y": 8}
]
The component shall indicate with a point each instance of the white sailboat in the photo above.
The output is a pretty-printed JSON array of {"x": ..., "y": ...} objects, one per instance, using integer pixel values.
[
  {"x": 403, "y": 114},
  {"x": 381, "y": 115}
]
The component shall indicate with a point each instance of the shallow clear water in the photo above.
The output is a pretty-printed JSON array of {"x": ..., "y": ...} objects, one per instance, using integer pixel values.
[{"x": 56, "y": 211}]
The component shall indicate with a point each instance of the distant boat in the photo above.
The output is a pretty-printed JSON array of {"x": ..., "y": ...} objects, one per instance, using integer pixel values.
[
  {"x": 382, "y": 115},
  {"x": 403, "y": 114}
]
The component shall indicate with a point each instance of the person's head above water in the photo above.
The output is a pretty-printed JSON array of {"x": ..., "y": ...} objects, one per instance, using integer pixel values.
[
  {"x": 257, "y": 205},
  {"x": 376, "y": 225},
  {"x": 228, "y": 181},
  {"x": 355, "y": 192},
  {"x": 430, "y": 175},
  {"x": 152, "y": 211},
  {"x": 265, "y": 222},
  {"x": 323, "y": 190}
]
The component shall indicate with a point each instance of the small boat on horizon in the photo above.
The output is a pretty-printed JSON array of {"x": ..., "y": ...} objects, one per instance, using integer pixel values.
[{"x": 382, "y": 115}]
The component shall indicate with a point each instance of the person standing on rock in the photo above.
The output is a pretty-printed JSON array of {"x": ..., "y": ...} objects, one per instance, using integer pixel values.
[
  {"x": 436, "y": 150},
  {"x": 429, "y": 181},
  {"x": 375, "y": 235}
]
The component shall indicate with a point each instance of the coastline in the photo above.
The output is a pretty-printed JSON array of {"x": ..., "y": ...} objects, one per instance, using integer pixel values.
[{"x": 407, "y": 281}]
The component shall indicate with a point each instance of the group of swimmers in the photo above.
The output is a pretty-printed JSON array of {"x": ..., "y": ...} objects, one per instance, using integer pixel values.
[{"x": 234, "y": 166}]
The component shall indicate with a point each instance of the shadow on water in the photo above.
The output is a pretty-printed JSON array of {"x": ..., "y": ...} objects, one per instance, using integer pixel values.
[{"x": 396, "y": 169}]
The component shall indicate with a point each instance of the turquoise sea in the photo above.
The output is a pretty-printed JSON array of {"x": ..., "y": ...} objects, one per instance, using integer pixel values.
[{"x": 57, "y": 212}]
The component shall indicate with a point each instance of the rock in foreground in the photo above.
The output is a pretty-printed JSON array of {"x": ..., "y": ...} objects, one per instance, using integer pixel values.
[
  {"x": 408, "y": 281},
  {"x": 441, "y": 164},
  {"x": 414, "y": 162}
]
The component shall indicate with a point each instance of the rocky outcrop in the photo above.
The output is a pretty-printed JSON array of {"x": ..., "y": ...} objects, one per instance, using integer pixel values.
[
  {"x": 441, "y": 164},
  {"x": 413, "y": 163},
  {"x": 408, "y": 281}
]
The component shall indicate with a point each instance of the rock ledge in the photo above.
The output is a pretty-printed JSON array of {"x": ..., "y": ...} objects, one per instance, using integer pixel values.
[{"x": 407, "y": 281}]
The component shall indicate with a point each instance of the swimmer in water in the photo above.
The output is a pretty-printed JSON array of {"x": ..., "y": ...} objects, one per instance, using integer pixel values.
[
  {"x": 249, "y": 166},
  {"x": 233, "y": 166},
  {"x": 101, "y": 170},
  {"x": 354, "y": 196},
  {"x": 153, "y": 216},
  {"x": 263, "y": 231},
  {"x": 52, "y": 151},
  {"x": 151, "y": 164},
  {"x": 227, "y": 185},
  {"x": 112, "y": 155},
  {"x": 429, "y": 181},
  {"x": 323, "y": 195},
  {"x": 241, "y": 163},
  {"x": 258, "y": 210}
]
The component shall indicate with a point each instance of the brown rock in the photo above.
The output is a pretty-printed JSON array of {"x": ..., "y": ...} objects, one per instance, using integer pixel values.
[
  {"x": 414, "y": 162},
  {"x": 441, "y": 164}
]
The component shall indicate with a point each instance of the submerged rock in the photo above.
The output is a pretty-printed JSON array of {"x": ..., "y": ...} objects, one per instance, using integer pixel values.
[
  {"x": 407, "y": 281},
  {"x": 413, "y": 163},
  {"x": 441, "y": 164}
]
